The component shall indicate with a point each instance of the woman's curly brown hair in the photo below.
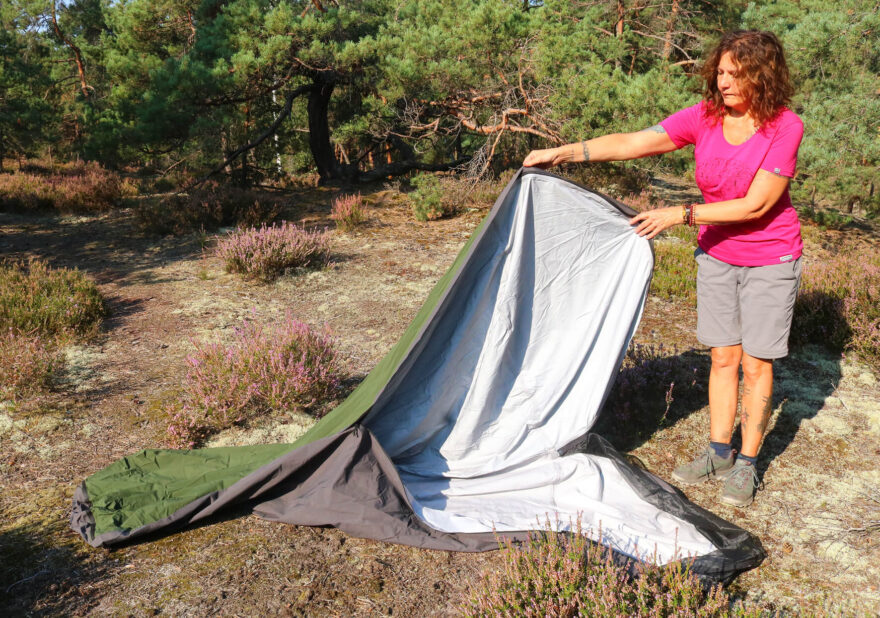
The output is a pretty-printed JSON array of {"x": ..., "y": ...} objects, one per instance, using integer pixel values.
[{"x": 761, "y": 69}]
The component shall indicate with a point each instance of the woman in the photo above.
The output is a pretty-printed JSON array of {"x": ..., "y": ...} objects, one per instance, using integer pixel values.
[{"x": 746, "y": 142}]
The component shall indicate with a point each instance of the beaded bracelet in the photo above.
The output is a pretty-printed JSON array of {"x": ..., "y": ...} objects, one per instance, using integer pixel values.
[{"x": 692, "y": 215}]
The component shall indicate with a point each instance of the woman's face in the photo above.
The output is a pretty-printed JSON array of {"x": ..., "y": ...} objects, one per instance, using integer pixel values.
[{"x": 729, "y": 84}]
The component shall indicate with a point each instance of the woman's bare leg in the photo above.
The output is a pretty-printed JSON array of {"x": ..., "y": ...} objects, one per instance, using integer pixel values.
[
  {"x": 756, "y": 402},
  {"x": 723, "y": 391}
]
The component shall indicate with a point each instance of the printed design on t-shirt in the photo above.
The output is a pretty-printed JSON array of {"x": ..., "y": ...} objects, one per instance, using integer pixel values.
[{"x": 728, "y": 177}]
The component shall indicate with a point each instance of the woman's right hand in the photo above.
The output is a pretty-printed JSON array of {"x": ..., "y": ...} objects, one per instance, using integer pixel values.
[{"x": 547, "y": 157}]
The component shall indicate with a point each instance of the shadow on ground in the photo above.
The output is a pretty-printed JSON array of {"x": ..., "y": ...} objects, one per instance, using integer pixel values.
[
  {"x": 640, "y": 403},
  {"x": 42, "y": 575},
  {"x": 109, "y": 247}
]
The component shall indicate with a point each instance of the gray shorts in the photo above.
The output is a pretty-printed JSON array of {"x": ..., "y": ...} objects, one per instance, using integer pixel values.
[{"x": 751, "y": 305}]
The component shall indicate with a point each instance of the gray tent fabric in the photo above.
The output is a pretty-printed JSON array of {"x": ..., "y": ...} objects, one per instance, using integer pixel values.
[{"x": 482, "y": 427}]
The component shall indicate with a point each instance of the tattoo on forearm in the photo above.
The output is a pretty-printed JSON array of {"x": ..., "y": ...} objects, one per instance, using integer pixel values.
[
  {"x": 586, "y": 151},
  {"x": 655, "y": 129}
]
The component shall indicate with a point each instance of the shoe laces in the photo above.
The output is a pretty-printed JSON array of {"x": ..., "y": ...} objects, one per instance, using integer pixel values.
[
  {"x": 745, "y": 475},
  {"x": 710, "y": 461}
]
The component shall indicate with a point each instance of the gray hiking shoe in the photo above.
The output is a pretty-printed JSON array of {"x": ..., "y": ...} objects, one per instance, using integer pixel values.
[
  {"x": 741, "y": 483},
  {"x": 706, "y": 466}
]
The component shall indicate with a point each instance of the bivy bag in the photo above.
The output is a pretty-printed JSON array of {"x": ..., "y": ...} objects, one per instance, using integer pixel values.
[{"x": 476, "y": 425}]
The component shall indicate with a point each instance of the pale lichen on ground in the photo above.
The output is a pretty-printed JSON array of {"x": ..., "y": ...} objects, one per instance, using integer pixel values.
[{"x": 277, "y": 432}]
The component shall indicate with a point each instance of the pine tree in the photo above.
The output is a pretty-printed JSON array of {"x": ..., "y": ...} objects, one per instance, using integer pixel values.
[{"x": 833, "y": 50}]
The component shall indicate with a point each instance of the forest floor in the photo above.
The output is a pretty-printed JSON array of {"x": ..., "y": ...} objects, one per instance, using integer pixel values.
[{"x": 820, "y": 460}]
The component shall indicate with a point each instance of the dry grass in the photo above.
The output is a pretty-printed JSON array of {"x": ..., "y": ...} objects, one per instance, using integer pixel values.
[{"x": 69, "y": 188}]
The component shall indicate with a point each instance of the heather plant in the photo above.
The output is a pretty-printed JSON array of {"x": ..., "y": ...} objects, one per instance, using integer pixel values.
[
  {"x": 263, "y": 370},
  {"x": 348, "y": 211},
  {"x": 650, "y": 379},
  {"x": 839, "y": 305},
  {"x": 76, "y": 188},
  {"x": 27, "y": 363},
  {"x": 566, "y": 574},
  {"x": 644, "y": 200},
  {"x": 264, "y": 253},
  {"x": 47, "y": 301},
  {"x": 209, "y": 207},
  {"x": 675, "y": 271}
]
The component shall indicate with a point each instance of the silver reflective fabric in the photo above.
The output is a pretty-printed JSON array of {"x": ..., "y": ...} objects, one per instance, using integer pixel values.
[{"x": 517, "y": 366}]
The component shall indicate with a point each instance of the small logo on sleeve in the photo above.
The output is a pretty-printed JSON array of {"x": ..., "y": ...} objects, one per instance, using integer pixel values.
[{"x": 785, "y": 258}]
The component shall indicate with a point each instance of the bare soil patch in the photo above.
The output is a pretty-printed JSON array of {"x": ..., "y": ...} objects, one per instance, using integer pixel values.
[{"x": 820, "y": 461}]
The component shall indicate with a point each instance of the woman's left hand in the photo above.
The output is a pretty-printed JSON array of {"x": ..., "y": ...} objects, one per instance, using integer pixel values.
[{"x": 651, "y": 222}]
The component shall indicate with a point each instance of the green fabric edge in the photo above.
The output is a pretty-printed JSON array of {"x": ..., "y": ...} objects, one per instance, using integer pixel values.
[
  {"x": 168, "y": 480},
  {"x": 362, "y": 398}
]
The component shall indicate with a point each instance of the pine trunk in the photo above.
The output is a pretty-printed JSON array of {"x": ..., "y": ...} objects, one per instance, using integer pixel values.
[
  {"x": 319, "y": 131},
  {"x": 670, "y": 30}
]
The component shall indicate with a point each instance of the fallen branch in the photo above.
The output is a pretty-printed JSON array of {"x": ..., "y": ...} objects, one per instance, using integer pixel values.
[
  {"x": 504, "y": 125},
  {"x": 21, "y": 581},
  {"x": 401, "y": 167}
]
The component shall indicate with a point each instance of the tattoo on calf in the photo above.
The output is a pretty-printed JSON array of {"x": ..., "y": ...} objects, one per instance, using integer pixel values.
[
  {"x": 586, "y": 151},
  {"x": 655, "y": 129},
  {"x": 765, "y": 414},
  {"x": 744, "y": 411}
]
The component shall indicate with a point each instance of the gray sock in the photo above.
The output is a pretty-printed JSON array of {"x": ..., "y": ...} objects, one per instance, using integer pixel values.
[{"x": 752, "y": 460}]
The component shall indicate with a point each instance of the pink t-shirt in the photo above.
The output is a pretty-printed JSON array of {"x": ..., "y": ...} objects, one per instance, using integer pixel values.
[{"x": 725, "y": 172}]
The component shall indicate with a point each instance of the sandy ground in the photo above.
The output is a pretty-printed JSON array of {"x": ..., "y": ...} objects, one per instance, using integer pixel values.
[{"x": 821, "y": 459}]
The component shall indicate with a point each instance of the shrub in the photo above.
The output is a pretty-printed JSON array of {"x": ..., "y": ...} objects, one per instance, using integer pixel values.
[
  {"x": 839, "y": 305},
  {"x": 209, "y": 207},
  {"x": 50, "y": 302},
  {"x": 644, "y": 200},
  {"x": 348, "y": 211},
  {"x": 826, "y": 219},
  {"x": 263, "y": 370},
  {"x": 429, "y": 200},
  {"x": 559, "y": 574},
  {"x": 675, "y": 271},
  {"x": 650, "y": 379},
  {"x": 26, "y": 365},
  {"x": 266, "y": 252},
  {"x": 76, "y": 188},
  {"x": 611, "y": 178}
]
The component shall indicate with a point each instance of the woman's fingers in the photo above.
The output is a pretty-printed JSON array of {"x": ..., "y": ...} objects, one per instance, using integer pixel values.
[
  {"x": 539, "y": 158},
  {"x": 651, "y": 222},
  {"x": 533, "y": 159}
]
